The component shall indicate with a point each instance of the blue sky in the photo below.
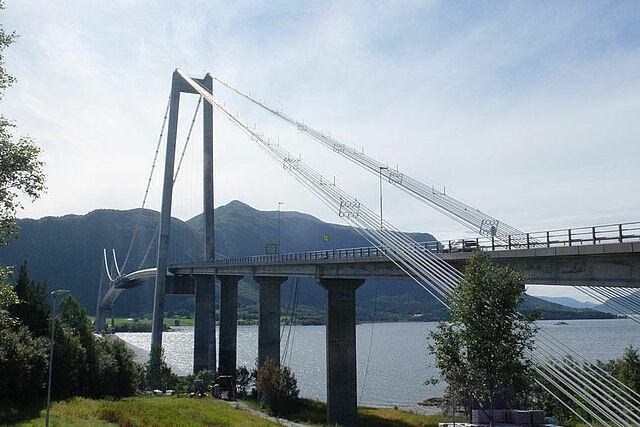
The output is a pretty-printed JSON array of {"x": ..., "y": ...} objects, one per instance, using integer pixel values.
[{"x": 526, "y": 110}]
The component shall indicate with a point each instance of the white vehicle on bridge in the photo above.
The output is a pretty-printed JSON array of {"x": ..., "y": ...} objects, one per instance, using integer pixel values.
[{"x": 461, "y": 245}]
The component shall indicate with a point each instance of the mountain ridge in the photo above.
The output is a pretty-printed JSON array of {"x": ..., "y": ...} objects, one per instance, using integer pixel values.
[{"x": 66, "y": 251}]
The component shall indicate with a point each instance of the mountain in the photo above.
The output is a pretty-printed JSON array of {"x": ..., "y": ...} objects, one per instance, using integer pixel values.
[
  {"x": 66, "y": 252},
  {"x": 553, "y": 311},
  {"x": 569, "y": 302}
]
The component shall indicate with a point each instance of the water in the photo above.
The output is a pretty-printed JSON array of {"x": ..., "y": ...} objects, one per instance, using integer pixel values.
[{"x": 399, "y": 362}]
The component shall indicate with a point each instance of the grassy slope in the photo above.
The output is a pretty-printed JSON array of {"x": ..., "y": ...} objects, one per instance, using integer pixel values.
[
  {"x": 146, "y": 411},
  {"x": 172, "y": 411},
  {"x": 314, "y": 412}
]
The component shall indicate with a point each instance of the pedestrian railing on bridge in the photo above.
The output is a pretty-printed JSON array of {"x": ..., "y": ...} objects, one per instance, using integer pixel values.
[
  {"x": 611, "y": 233},
  {"x": 602, "y": 234}
]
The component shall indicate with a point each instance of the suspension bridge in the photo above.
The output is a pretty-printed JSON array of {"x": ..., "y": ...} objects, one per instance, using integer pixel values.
[{"x": 602, "y": 262}]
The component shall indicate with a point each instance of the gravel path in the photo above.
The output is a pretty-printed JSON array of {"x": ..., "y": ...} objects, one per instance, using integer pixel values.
[{"x": 280, "y": 421}]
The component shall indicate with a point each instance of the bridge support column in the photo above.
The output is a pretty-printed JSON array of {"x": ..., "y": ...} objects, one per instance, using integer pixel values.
[
  {"x": 341, "y": 350},
  {"x": 228, "y": 324},
  {"x": 101, "y": 319},
  {"x": 269, "y": 323},
  {"x": 203, "y": 333}
]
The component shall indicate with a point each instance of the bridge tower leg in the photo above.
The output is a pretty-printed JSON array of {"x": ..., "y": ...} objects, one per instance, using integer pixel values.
[
  {"x": 228, "y": 324},
  {"x": 208, "y": 213},
  {"x": 269, "y": 323},
  {"x": 165, "y": 217},
  {"x": 204, "y": 344},
  {"x": 342, "y": 398}
]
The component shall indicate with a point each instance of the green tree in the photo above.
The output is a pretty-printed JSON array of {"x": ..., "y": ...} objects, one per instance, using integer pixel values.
[
  {"x": 23, "y": 365},
  {"x": 123, "y": 377},
  {"x": 34, "y": 309},
  {"x": 21, "y": 170},
  {"x": 244, "y": 379},
  {"x": 107, "y": 367},
  {"x": 482, "y": 350},
  {"x": 23, "y": 358},
  {"x": 203, "y": 382},
  {"x": 625, "y": 369},
  {"x": 278, "y": 386},
  {"x": 8, "y": 298},
  {"x": 157, "y": 373}
]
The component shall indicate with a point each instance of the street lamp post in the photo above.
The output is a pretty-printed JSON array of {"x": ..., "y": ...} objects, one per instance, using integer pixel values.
[
  {"x": 54, "y": 295},
  {"x": 279, "y": 203}
]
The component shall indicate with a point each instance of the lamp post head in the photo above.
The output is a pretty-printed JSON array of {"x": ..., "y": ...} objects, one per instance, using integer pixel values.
[{"x": 59, "y": 292}]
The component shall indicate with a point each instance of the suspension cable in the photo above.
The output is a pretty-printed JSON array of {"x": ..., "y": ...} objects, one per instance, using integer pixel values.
[
  {"x": 466, "y": 215},
  {"x": 146, "y": 191},
  {"x": 373, "y": 324},
  {"x": 186, "y": 143}
]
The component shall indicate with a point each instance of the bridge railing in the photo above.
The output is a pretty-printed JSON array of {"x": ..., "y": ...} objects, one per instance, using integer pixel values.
[{"x": 611, "y": 233}]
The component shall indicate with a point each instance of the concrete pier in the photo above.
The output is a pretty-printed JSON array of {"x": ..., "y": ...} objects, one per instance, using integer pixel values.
[
  {"x": 342, "y": 398},
  {"x": 202, "y": 328},
  {"x": 269, "y": 326},
  {"x": 228, "y": 324}
]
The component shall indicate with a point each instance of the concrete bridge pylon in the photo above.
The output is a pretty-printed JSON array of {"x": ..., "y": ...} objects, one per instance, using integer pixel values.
[{"x": 205, "y": 286}]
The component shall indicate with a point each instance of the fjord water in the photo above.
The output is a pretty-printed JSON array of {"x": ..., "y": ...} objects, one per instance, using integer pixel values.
[{"x": 399, "y": 362}]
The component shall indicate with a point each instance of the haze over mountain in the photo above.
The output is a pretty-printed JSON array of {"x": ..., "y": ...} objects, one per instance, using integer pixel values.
[
  {"x": 569, "y": 302},
  {"x": 67, "y": 252}
]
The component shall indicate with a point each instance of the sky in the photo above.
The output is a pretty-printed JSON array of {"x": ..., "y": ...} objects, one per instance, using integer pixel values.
[{"x": 525, "y": 110}]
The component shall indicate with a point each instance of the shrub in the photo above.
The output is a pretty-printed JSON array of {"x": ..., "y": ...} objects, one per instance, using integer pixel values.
[
  {"x": 244, "y": 379},
  {"x": 157, "y": 374},
  {"x": 278, "y": 386},
  {"x": 203, "y": 382}
]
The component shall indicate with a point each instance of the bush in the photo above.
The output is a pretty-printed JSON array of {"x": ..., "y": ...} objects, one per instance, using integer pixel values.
[
  {"x": 203, "y": 382},
  {"x": 23, "y": 365},
  {"x": 278, "y": 386},
  {"x": 625, "y": 369},
  {"x": 157, "y": 374},
  {"x": 83, "y": 365},
  {"x": 245, "y": 378}
]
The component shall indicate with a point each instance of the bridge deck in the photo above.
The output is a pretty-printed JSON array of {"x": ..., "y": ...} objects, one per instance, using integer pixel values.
[{"x": 610, "y": 264}]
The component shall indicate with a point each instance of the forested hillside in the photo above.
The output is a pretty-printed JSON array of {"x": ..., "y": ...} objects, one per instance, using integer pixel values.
[{"x": 67, "y": 252}]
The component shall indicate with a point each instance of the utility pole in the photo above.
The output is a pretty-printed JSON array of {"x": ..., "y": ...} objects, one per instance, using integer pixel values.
[{"x": 381, "y": 168}]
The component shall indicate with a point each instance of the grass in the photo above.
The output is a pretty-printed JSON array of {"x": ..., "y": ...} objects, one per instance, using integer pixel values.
[
  {"x": 146, "y": 411},
  {"x": 314, "y": 412},
  {"x": 183, "y": 411}
]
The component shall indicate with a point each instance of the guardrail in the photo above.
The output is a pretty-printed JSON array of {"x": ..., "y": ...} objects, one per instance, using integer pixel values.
[{"x": 612, "y": 233}]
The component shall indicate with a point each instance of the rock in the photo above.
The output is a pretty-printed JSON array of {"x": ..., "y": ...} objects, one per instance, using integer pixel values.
[{"x": 432, "y": 401}]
